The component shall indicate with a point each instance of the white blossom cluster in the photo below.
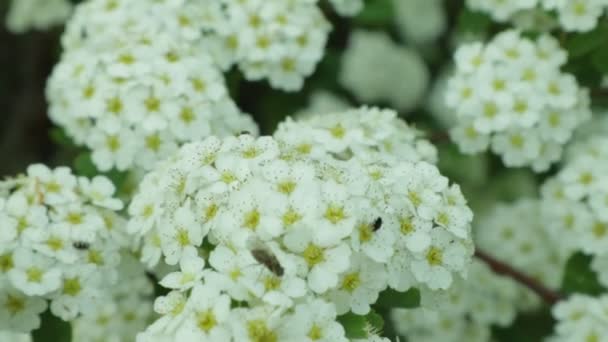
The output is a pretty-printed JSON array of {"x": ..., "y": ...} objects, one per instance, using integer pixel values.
[
  {"x": 366, "y": 133},
  {"x": 465, "y": 312},
  {"x": 126, "y": 311},
  {"x": 134, "y": 92},
  {"x": 581, "y": 318},
  {"x": 572, "y": 15},
  {"x": 517, "y": 233},
  {"x": 347, "y": 8},
  {"x": 420, "y": 21},
  {"x": 575, "y": 202},
  {"x": 511, "y": 94},
  {"x": 59, "y": 241},
  {"x": 299, "y": 239},
  {"x": 278, "y": 40},
  {"x": 375, "y": 69},
  {"x": 24, "y": 15},
  {"x": 14, "y": 337}
]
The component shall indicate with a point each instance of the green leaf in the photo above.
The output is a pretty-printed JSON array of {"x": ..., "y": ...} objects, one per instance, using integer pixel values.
[
  {"x": 375, "y": 321},
  {"x": 599, "y": 59},
  {"x": 83, "y": 165},
  {"x": 375, "y": 13},
  {"x": 579, "y": 45},
  {"x": 394, "y": 299},
  {"x": 528, "y": 327},
  {"x": 52, "y": 329},
  {"x": 357, "y": 326},
  {"x": 579, "y": 277},
  {"x": 59, "y": 137},
  {"x": 473, "y": 22},
  {"x": 354, "y": 325}
]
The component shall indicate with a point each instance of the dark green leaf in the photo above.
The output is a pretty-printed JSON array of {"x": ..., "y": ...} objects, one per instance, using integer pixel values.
[
  {"x": 528, "y": 327},
  {"x": 579, "y": 277},
  {"x": 473, "y": 22},
  {"x": 375, "y": 321},
  {"x": 52, "y": 329},
  {"x": 578, "y": 45},
  {"x": 83, "y": 165},
  {"x": 599, "y": 59},
  {"x": 375, "y": 13},
  {"x": 59, "y": 137},
  {"x": 393, "y": 299},
  {"x": 354, "y": 325}
]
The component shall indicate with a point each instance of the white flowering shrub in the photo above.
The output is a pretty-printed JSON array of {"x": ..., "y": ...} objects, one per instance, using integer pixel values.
[
  {"x": 373, "y": 69},
  {"x": 60, "y": 243},
  {"x": 581, "y": 318},
  {"x": 286, "y": 226},
  {"x": 517, "y": 232},
  {"x": 510, "y": 95},
  {"x": 573, "y": 15},
  {"x": 240, "y": 170},
  {"x": 466, "y": 311},
  {"x": 25, "y": 15}
]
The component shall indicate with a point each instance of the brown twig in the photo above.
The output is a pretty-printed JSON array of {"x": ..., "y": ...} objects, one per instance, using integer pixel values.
[
  {"x": 439, "y": 137},
  {"x": 550, "y": 296}
]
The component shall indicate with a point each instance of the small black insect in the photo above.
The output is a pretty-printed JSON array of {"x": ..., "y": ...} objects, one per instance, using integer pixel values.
[
  {"x": 377, "y": 223},
  {"x": 265, "y": 258},
  {"x": 244, "y": 133},
  {"x": 81, "y": 245}
]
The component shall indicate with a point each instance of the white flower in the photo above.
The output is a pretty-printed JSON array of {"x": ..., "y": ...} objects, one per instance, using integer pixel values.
[
  {"x": 208, "y": 318},
  {"x": 373, "y": 68},
  {"x": 33, "y": 274},
  {"x": 316, "y": 319},
  {"x": 434, "y": 265},
  {"x": 323, "y": 263},
  {"x": 581, "y": 317},
  {"x": 19, "y": 312},
  {"x": 359, "y": 286},
  {"x": 25, "y": 15},
  {"x": 191, "y": 272},
  {"x": 491, "y": 96}
]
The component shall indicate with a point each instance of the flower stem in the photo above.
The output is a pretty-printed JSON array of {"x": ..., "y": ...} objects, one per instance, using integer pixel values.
[{"x": 548, "y": 295}]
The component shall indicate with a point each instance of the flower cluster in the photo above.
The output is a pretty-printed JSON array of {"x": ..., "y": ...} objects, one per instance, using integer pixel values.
[
  {"x": 573, "y": 15},
  {"x": 281, "y": 40},
  {"x": 278, "y": 40},
  {"x": 125, "y": 312},
  {"x": 374, "y": 69},
  {"x": 59, "y": 241},
  {"x": 24, "y": 15},
  {"x": 299, "y": 238},
  {"x": 465, "y": 312},
  {"x": 366, "y": 133},
  {"x": 581, "y": 318},
  {"x": 574, "y": 201},
  {"x": 517, "y": 233},
  {"x": 511, "y": 94},
  {"x": 135, "y": 92},
  {"x": 347, "y": 7},
  {"x": 420, "y": 21}
]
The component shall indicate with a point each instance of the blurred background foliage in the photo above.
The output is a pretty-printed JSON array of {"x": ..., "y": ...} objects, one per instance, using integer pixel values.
[{"x": 27, "y": 136}]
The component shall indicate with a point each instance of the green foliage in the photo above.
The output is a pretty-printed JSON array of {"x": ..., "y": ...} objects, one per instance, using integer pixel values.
[
  {"x": 83, "y": 166},
  {"x": 394, "y": 299},
  {"x": 529, "y": 327},
  {"x": 579, "y": 277},
  {"x": 375, "y": 13},
  {"x": 357, "y": 326},
  {"x": 473, "y": 22},
  {"x": 582, "y": 44},
  {"x": 52, "y": 329},
  {"x": 59, "y": 137}
]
